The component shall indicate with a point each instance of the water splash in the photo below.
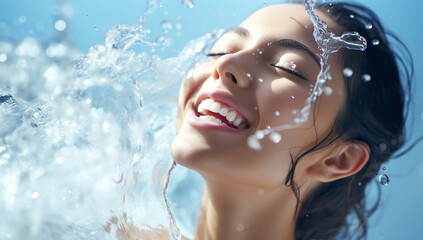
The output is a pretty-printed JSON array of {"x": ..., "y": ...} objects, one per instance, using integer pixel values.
[
  {"x": 328, "y": 43},
  {"x": 69, "y": 119},
  {"x": 176, "y": 233},
  {"x": 188, "y": 3}
]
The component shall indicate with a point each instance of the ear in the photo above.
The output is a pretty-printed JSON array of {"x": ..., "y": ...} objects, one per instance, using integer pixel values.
[{"x": 348, "y": 160}]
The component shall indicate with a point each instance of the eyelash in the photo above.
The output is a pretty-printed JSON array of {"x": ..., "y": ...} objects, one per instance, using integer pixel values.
[
  {"x": 293, "y": 72},
  {"x": 215, "y": 54}
]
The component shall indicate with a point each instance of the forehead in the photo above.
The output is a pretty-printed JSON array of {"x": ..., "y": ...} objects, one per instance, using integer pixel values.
[{"x": 286, "y": 21}]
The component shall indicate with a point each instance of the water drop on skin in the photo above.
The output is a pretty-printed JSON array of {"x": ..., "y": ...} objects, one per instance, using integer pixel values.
[
  {"x": 240, "y": 227},
  {"x": 260, "y": 80},
  {"x": 384, "y": 180},
  {"x": 369, "y": 26},
  {"x": 366, "y": 77},
  {"x": 384, "y": 168},
  {"x": 249, "y": 76},
  {"x": 352, "y": 16},
  {"x": 260, "y": 191},
  {"x": 188, "y": 3},
  {"x": 259, "y": 51},
  {"x": 275, "y": 137},
  {"x": 328, "y": 91},
  {"x": 277, "y": 113},
  {"x": 348, "y": 72},
  {"x": 253, "y": 143},
  {"x": 293, "y": 65},
  {"x": 375, "y": 42}
]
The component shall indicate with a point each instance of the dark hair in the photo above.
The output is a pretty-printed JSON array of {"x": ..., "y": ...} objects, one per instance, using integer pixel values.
[{"x": 375, "y": 112}]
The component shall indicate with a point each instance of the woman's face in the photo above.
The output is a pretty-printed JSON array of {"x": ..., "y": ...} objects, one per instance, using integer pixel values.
[{"x": 258, "y": 76}]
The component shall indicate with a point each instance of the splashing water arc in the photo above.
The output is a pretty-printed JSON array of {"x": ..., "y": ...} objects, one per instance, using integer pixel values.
[{"x": 328, "y": 43}]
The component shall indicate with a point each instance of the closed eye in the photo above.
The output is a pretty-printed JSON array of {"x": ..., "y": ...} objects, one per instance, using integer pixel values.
[
  {"x": 215, "y": 54},
  {"x": 293, "y": 72}
]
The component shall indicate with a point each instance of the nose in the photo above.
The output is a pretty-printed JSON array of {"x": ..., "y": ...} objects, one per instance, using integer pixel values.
[{"x": 234, "y": 69}]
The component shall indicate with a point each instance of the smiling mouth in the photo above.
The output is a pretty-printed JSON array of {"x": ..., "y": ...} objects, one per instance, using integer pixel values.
[{"x": 219, "y": 113}]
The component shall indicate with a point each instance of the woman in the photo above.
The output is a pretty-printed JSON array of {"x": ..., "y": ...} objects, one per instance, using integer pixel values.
[{"x": 259, "y": 75}]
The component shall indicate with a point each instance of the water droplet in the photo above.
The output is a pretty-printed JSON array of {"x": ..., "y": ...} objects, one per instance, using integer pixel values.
[
  {"x": 382, "y": 147},
  {"x": 167, "y": 25},
  {"x": 359, "y": 184},
  {"x": 240, "y": 227},
  {"x": 260, "y": 134},
  {"x": 253, "y": 143},
  {"x": 366, "y": 77},
  {"x": 275, "y": 137},
  {"x": 375, "y": 42},
  {"x": 295, "y": 111},
  {"x": 21, "y": 19},
  {"x": 249, "y": 76},
  {"x": 352, "y": 16},
  {"x": 259, "y": 51},
  {"x": 106, "y": 127},
  {"x": 260, "y": 191},
  {"x": 60, "y": 25},
  {"x": 293, "y": 65},
  {"x": 260, "y": 80},
  {"x": 3, "y": 57},
  {"x": 348, "y": 72},
  {"x": 384, "y": 180},
  {"x": 307, "y": 216},
  {"x": 383, "y": 168},
  {"x": 277, "y": 113},
  {"x": 188, "y": 3},
  {"x": 93, "y": 232},
  {"x": 255, "y": 108},
  {"x": 369, "y": 26},
  {"x": 59, "y": 160},
  {"x": 35, "y": 195},
  {"x": 328, "y": 91}
]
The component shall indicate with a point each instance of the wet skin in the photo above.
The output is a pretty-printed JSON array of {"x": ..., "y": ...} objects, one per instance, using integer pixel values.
[
  {"x": 208, "y": 147},
  {"x": 250, "y": 72}
]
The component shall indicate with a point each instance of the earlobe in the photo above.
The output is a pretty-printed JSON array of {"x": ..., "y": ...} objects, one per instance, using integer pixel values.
[{"x": 349, "y": 160}]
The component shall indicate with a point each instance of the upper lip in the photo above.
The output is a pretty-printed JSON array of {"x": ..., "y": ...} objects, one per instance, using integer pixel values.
[{"x": 226, "y": 98}]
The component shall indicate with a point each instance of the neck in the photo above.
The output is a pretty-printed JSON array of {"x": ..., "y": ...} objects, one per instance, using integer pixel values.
[{"x": 234, "y": 211}]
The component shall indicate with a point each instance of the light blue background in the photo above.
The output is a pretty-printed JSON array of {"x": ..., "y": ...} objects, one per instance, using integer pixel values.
[{"x": 400, "y": 216}]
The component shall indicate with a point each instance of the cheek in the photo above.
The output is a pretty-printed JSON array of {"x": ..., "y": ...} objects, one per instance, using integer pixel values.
[
  {"x": 193, "y": 81},
  {"x": 279, "y": 100}
]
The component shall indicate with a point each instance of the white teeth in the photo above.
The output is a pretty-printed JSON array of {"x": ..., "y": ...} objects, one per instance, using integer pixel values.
[
  {"x": 223, "y": 111},
  {"x": 237, "y": 122},
  {"x": 215, "y": 107},
  {"x": 212, "y": 119},
  {"x": 231, "y": 116}
]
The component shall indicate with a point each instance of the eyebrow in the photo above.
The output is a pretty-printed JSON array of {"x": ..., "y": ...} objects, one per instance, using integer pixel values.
[{"x": 283, "y": 42}]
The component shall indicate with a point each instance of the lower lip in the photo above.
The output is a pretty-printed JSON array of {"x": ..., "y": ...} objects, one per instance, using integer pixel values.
[{"x": 201, "y": 123}]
